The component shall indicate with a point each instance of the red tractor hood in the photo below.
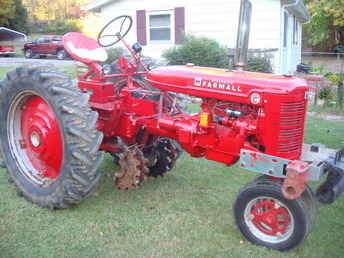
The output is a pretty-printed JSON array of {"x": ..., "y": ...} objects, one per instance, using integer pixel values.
[{"x": 221, "y": 83}]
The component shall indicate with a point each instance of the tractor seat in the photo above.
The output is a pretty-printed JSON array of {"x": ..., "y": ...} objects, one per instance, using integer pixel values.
[{"x": 83, "y": 48}]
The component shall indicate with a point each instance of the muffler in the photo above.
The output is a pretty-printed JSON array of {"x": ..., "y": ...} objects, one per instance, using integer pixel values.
[{"x": 240, "y": 59}]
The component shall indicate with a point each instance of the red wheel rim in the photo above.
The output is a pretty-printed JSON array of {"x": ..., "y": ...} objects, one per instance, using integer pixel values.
[
  {"x": 269, "y": 219},
  {"x": 35, "y": 138}
]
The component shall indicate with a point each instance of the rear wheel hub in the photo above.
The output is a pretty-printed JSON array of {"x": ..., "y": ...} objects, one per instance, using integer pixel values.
[
  {"x": 269, "y": 220},
  {"x": 35, "y": 138}
]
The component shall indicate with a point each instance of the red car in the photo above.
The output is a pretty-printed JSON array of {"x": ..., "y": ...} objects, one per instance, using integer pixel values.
[
  {"x": 7, "y": 50},
  {"x": 46, "y": 45}
]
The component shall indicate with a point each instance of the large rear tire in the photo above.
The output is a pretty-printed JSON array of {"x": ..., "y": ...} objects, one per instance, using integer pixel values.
[
  {"x": 266, "y": 218},
  {"x": 48, "y": 137}
]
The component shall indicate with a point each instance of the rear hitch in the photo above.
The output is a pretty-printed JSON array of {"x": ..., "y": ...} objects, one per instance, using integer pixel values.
[{"x": 331, "y": 189}]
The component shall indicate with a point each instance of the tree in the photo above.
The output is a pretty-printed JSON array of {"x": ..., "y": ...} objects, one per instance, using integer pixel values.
[
  {"x": 7, "y": 11},
  {"x": 19, "y": 22},
  {"x": 327, "y": 22},
  {"x": 44, "y": 10}
]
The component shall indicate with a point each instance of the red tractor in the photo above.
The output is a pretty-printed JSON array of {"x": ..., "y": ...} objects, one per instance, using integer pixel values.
[{"x": 54, "y": 131}]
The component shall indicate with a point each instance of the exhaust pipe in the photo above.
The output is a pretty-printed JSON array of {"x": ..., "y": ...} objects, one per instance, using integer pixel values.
[{"x": 240, "y": 59}]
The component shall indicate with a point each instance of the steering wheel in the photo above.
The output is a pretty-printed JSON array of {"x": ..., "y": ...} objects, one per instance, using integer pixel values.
[{"x": 122, "y": 19}]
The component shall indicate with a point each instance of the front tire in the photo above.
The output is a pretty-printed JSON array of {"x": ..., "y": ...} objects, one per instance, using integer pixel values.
[
  {"x": 266, "y": 218},
  {"x": 61, "y": 54},
  {"x": 48, "y": 137},
  {"x": 28, "y": 53}
]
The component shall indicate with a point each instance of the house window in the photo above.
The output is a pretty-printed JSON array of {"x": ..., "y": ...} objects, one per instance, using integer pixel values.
[{"x": 160, "y": 27}]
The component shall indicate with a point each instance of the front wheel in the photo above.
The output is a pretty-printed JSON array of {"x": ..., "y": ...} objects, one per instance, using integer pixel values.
[
  {"x": 48, "y": 137},
  {"x": 28, "y": 53},
  {"x": 266, "y": 218},
  {"x": 61, "y": 54}
]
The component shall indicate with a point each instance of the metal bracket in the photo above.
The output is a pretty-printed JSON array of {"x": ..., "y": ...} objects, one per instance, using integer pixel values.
[
  {"x": 316, "y": 155},
  {"x": 263, "y": 163}
]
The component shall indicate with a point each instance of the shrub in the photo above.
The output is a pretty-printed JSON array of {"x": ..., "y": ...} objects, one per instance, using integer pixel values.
[
  {"x": 337, "y": 79},
  {"x": 258, "y": 64},
  {"x": 200, "y": 51},
  {"x": 64, "y": 26},
  {"x": 320, "y": 69},
  {"x": 203, "y": 51},
  {"x": 326, "y": 94},
  {"x": 333, "y": 78},
  {"x": 114, "y": 53}
]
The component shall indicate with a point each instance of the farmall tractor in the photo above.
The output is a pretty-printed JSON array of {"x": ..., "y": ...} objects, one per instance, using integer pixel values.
[{"x": 54, "y": 131}]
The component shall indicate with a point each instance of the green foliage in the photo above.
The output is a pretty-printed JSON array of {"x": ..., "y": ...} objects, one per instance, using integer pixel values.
[
  {"x": 64, "y": 26},
  {"x": 114, "y": 53},
  {"x": 200, "y": 51},
  {"x": 319, "y": 69},
  {"x": 327, "y": 18},
  {"x": 13, "y": 15},
  {"x": 19, "y": 22},
  {"x": 325, "y": 93},
  {"x": 40, "y": 10},
  {"x": 333, "y": 77},
  {"x": 259, "y": 64},
  {"x": 7, "y": 11},
  {"x": 337, "y": 79},
  {"x": 207, "y": 52}
]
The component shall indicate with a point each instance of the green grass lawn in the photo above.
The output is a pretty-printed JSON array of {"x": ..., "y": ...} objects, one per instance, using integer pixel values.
[{"x": 188, "y": 213}]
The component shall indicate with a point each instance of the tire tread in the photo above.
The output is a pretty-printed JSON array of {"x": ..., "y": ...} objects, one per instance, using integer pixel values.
[{"x": 81, "y": 137}]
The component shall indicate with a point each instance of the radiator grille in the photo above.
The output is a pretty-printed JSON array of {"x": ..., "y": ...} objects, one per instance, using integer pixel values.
[{"x": 291, "y": 126}]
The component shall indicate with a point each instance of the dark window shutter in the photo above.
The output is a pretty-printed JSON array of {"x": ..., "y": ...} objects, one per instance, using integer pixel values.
[
  {"x": 141, "y": 27},
  {"x": 179, "y": 21}
]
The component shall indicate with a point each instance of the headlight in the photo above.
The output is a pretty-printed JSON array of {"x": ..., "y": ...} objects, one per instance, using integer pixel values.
[{"x": 255, "y": 98}]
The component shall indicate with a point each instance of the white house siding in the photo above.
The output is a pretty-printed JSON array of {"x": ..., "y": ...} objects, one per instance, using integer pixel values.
[
  {"x": 290, "y": 56},
  {"x": 217, "y": 19},
  {"x": 265, "y": 28}
]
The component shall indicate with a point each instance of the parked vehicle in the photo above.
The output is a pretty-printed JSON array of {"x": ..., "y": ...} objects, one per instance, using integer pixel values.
[
  {"x": 6, "y": 36},
  {"x": 7, "y": 50},
  {"x": 46, "y": 45},
  {"x": 339, "y": 49}
]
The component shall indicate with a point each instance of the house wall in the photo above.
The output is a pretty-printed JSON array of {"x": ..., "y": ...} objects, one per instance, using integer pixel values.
[
  {"x": 217, "y": 19},
  {"x": 290, "y": 55}
]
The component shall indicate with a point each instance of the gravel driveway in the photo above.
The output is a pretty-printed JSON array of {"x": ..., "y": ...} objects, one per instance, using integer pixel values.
[{"x": 9, "y": 61}]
